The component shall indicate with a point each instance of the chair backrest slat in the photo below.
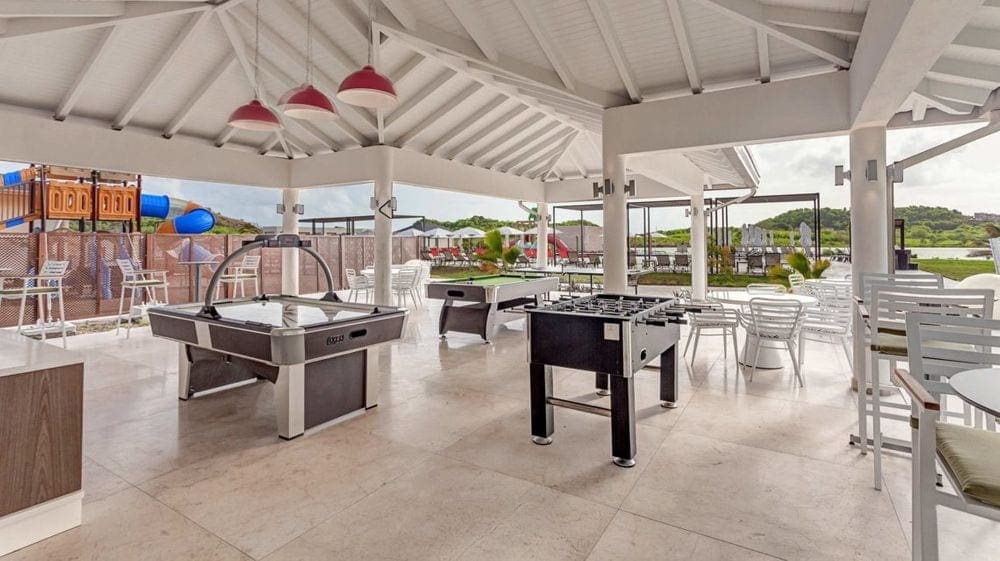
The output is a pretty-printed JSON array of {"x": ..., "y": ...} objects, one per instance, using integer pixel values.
[{"x": 941, "y": 346}]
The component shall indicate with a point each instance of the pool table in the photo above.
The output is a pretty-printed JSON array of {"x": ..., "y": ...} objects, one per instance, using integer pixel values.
[{"x": 478, "y": 305}]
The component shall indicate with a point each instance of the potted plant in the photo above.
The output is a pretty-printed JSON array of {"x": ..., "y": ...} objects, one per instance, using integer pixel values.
[{"x": 798, "y": 262}]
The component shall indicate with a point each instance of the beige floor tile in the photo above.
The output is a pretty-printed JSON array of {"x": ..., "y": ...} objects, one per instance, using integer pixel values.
[
  {"x": 641, "y": 539},
  {"x": 260, "y": 504},
  {"x": 577, "y": 462},
  {"x": 548, "y": 525},
  {"x": 438, "y": 419},
  {"x": 813, "y": 431},
  {"x": 435, "y": 512},
  {"x": 129, "y": 526},
  {"x": 99, "y": 482},
  {"x": 784, "y": 505},
  {"x": 960, "y": 535}
]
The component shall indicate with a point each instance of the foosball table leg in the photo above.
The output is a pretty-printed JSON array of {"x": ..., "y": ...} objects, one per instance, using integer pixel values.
[
  {"x": 669, "y": 387},
  {"x": 622, "y": 421},
  {"x": 601, "y": 383},
  {"x": 541, "y": 410}
]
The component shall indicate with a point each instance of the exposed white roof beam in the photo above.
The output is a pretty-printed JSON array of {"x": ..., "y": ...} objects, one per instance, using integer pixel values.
[
  {"x": 323, "y": 81},
  {"x": 610, "y": 36},
  {"x": 402, "y": 12},
  {"x": 320, "y": 39},
  {"x": 96, "y": 56},
  {"x": 425, "y": 92},
  {"x": 571, "y": 154},
  {"x": 434, "y": 116},
  {"x": 763, "y": 57},
  {"x": 524, "y": 147},
  {"x": 134, "y": 11},
  {"x": 476, "y": 26},
  {"x": 955, "y": 92},
  {"x": 527, "y": 11},
  {"x": 457, "y": 64},
  {"x": 432, "y": 42},
  {"x": 529, "y": 158},
  {"x": 217, "y": 73},
  {"x": 529, "y": 122},
  {"x": 487, "y": 130},
  {"x": 951, "y": 107},
  {"x": 919, "y": 110},
  {"x": 979, "y": 38},
  {"x": 560, "y": 151},
  {"x": 972, "y": 73},
  {"x": 556, "y": 100},
  {"x": 407, "y": 68},
  {"x": 817, "y": 20},
  {"x": 899, "y": 44},
  {"x": 680, "y": 34},
  {"x": 469, "y": 121},
  {"x": 152, "y": 79},
  {"x": 354, "y": 20},
  {"x": 58, "y": 9},
  {"x": 818, "y": 43},
  {"x": 224, "y": 137},
  {"x": 270, "y": 143}
]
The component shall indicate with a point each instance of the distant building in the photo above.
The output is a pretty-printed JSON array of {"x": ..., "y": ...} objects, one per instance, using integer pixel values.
[{"x": 986, "y": 217}]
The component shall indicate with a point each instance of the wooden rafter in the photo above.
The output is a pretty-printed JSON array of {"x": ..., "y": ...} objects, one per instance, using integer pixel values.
[
  {"x": 100, "y": 51},
  {"x": 217, "y": 74},
  {"x": 452, "y": 133},
  {"x": 487, "y": 130},
  {"x": 684, "y": 45},
  {"x": 527, "y": 10},
  {"x": 433, "y": 117}
]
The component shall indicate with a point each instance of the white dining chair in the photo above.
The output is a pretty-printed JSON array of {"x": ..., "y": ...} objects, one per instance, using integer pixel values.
[
  {"x": 246, "y": 271},
  {"x": 358, "y": 285},
  {"x": 773, "y": 322},
  {"x": 142, "y": 281},
  {"x": 966, "y": 456},
  {"x": 718, "y": 321},
  {"x": 43, "y": 287},
  {"x": 830, "y": 319},
  {"x": 404, "y": 285}
]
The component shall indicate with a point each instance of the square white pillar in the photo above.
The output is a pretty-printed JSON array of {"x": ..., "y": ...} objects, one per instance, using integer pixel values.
[
  {"x": 542, "y": 239},
  {"x": 383, "y": 228},
  {"x": 290, "y": 256},
  {"x": 870, "y": 228},
  {"x": 699, "y": 249},
  {"x": 615, "y": 226}
]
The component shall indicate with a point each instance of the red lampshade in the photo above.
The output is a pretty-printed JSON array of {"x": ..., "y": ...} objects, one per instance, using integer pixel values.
[
  {"x": 254, "y": 117},
  {"x": 368, "y": 88},
  {"x": 306, "y": 102}
]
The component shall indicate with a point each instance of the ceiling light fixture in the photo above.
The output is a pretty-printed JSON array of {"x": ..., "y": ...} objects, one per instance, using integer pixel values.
[
  {"x": 255, "y": 116},
  {"x": 305, "y": 101},
  {"x": 366, "y": 87}
]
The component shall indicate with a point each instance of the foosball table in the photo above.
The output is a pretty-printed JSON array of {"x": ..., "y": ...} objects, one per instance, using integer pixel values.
[{"x": 613, "y": 335}]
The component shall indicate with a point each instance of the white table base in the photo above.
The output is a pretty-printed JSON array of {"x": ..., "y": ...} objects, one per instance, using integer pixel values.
[{"x": 772, "y": 356}]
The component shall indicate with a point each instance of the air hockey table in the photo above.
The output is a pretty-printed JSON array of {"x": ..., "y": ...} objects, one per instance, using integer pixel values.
[
  {"x": 477, "y": 305},
  {"x": 318, "y": 353}
]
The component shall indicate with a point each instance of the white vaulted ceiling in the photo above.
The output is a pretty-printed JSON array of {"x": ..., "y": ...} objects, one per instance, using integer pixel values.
[{"x": 517, "y": 86}]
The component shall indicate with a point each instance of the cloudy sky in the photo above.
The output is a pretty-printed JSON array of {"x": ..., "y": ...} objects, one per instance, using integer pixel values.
[{"x": 967, "y": 179}]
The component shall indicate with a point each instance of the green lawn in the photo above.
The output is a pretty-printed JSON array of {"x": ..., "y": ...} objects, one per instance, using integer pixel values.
[
  {"x": 956, "y": 269},
  {"x": 659, "y": 279}
]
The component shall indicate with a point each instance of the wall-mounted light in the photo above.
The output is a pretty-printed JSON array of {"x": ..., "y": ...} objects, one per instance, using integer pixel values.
[
  {"x": 630, "y": 188},
  {"x": 297, "y": 209},
  {"x": 871, "y": 170},
  {"x": 839, "y": 175}
]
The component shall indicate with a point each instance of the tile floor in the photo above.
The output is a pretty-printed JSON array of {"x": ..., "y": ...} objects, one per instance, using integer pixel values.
[{"x": 444, "y": 468}]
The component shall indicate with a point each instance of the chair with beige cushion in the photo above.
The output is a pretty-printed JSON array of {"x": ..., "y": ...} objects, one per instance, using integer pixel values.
[
  {"x": 887, "y": 320},
  {"x": 968, "y": 457},
  {"x": 43, "y": 287}
]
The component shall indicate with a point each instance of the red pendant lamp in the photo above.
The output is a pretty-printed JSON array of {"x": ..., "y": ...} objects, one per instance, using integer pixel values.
[
  {"x": 255, "y": 116},
  {"x": 306, "y": 102},
  {"x": 366, "y": 87}
]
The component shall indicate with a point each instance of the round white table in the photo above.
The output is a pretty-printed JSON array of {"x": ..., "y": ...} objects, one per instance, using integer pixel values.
[
  {"x": 769, "y": 357},
  {"x": 980, "y": 388}
]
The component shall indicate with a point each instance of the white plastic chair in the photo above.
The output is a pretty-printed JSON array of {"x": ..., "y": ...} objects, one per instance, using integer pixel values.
[
  {"x": 357, "y": 284},
  {"x": 956, "y": 449},
  {"x": 773, "y": 321},
  {"x": 765, "y": 288},
  {"x": 887, "y": 320},
  {"x": 240, "y": 274},
  {"x": 44, "y": 286},
  {"x": 712, "y": 319},
  {"x": 830, "y": 319},
  {"x": 797, "y": 282},
  {"x": 143, "y": 281},
  {"x": 404, "y": 284}
]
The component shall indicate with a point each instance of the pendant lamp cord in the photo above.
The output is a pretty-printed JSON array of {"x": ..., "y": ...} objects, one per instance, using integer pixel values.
[
  {"x": 256, "y": 55},
  {"x": 309, "y": 43}
]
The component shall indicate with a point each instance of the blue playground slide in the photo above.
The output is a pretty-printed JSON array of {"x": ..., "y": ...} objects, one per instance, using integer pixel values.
[{"x": 179, "y": 216}]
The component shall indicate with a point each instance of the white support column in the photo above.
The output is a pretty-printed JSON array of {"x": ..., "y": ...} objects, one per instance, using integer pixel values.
[
  {"x": 699, "y": 249},
  {"x": 615, "y": 225},
  {"x": 869, "y": 205},
  {"x": 290, "y": 256},
  {"x": 542, "y": 240},
  {"x": 383, "y": 228}
]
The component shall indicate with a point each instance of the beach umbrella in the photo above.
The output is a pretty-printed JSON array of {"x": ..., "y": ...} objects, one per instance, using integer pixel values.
[
  {"x": 554, "y": 231},
  {"x": 509, "y": 231},
  {"x": 469, "y": 232},
  {"x": 438, "y": 234},
  {"x": 412, "y": 233}
]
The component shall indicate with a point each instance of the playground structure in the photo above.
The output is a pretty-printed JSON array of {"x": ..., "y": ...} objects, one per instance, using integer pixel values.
[{"x": 42, "y": 193}]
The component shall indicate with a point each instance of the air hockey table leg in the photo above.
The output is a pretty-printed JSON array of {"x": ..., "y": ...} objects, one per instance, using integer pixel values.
[
  {"x": 541, "y": 410},
  {"x": 601, "y": 383},
  {"x": 669, "y": 387},
  {"x": 290, "y": 394},
  {"x": 183, "y": 373},
  {"x": 622, "y": 421}
]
